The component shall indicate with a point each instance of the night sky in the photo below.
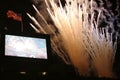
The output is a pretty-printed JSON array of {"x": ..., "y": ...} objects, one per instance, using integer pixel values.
[{"x": 23, "y": 6}]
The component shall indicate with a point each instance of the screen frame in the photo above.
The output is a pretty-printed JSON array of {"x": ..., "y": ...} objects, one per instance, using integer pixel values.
[{"x": 32, "y": 35}]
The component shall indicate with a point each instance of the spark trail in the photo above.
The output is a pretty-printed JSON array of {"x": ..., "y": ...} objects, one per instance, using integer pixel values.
[{"x": 79, "y": 41}]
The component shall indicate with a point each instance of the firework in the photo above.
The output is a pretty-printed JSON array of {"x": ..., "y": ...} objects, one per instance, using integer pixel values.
[{"x": 78, "y": 40}]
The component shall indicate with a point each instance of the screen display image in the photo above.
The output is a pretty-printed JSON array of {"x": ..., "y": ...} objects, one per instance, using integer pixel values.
[{"x": 21, "y": 46}]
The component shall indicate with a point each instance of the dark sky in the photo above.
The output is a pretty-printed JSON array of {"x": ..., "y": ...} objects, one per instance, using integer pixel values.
[
  {"x": 16, "y": 5},
  {"x": 23, "y": 6}
]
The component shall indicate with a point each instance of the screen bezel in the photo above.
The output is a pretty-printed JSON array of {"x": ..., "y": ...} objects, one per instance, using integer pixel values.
[{"x": 32, "y": 35}]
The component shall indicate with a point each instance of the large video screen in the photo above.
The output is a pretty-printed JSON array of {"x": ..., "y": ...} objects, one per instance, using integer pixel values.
[{"x": 22, "y": 46}]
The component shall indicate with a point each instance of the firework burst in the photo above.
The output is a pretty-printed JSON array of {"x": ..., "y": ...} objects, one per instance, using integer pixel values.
[{"x": 77, "y": 38}]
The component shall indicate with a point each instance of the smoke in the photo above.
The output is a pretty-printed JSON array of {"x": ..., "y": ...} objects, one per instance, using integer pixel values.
[{"x": 77, "y": 35}]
